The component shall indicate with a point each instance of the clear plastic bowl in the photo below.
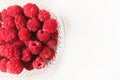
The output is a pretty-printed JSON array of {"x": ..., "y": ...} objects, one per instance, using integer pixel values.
[{"x": 51, "y": 66}]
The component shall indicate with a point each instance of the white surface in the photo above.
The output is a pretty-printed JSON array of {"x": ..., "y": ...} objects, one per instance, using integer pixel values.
[
  {"x": 93, "y": 45},
  {"x": 93, "y": 42}
]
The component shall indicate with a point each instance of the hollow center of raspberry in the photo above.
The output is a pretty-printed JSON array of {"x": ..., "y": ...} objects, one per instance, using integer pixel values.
[
  {"x": 39, "y": 64},
  {"x": 33, "y": 44},
  {"x": 42, "y": 32}
]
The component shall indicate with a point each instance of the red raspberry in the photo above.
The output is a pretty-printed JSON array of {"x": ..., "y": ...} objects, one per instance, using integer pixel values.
[
  {"x": 44, "y": 15},
  {"x": 20, "y": 44},
  {"x": 20, "y": 21},
  {"x": 10, "y": 52},
  {"x": 43, "y": 35},
  {"x": 55, "y": 35},
  {"x": 52, "y": 43},
  {"x": 52, "y": 54},
  {"x": 50, "y": 25},
  {"x": 4, "y": 14},
  {"x": 26, "y": 55},
  {"x": 9, "y": 23},
  {"x": 31, "y": 10},
  {"x": 14, "y": 10},
  {"x": 39, "y": 63},
  {"x": 14, "y": 66},
  {"x": 7, "y": 36},
  {"x": 28, "y": 66},
  {"x": 45, "y": 53},
  {"x": 24, "y": 34},
  {"x": 35, "y": 47},
  {"x": 33, "y": 24},
  {"x": 3, "y": 66}
]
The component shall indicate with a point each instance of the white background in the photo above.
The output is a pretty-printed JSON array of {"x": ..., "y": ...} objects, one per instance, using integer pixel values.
[
  {"x": 93, "y": 43},
  {"x": 93, "y": 40}
]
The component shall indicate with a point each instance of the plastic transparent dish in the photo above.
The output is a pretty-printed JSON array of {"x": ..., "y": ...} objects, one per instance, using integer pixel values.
[{"x": 39, "y": 74}]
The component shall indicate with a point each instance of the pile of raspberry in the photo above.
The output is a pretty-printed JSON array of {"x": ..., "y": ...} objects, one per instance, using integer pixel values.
[{"x": 28, "y": 38}]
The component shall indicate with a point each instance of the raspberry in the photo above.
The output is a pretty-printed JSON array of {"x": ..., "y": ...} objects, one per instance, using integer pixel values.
[
  {"x": 31, "y": 10},
  {"x": 33, "y": 24},
  {"x": 39, "y": 63},
  {"x": 20, "y": 21},
  {"x": 3, "y": 66},
  {"x": 14, "y": 66},
  {"x": 50, "y": 25},
  {"x": 9, "y": 23},
  {"x": 35, "y": 47},
  {"x": 45, "y": 53},
  {"x": 28, "y": 66},
  {"x": 7, "y": 36},
  {"x": 10, "y": 52},
  {"x": 14, "y": 10},
  {"x": 44, "y": 15},
  {"x": 52, "y": 55},
  {"x": 24, "y": 34},
  {"x": 26, "y": 55},
  {"x": 55, "y": 35},
  {"x": 52, "y": 43},
  {"x": 20, "y": 44},
  {"x": 4, "y": 14},
  {"x": 43, "y": 35}
]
